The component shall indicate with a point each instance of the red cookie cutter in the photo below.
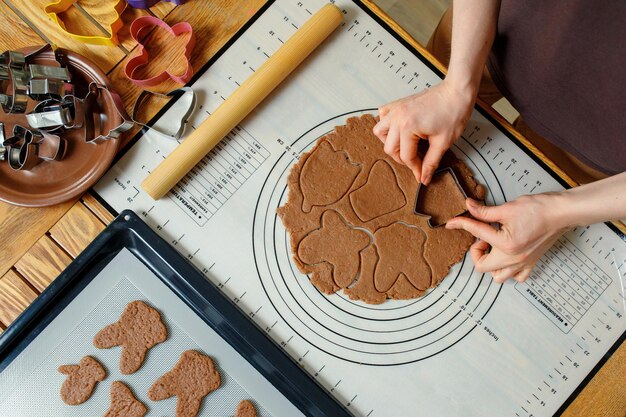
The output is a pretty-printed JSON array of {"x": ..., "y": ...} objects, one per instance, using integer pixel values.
[{"x": 142, "y": 58}]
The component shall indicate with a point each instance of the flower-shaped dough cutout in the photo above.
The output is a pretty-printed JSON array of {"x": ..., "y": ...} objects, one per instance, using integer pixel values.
[
  {"x": 138, "y": 330},
  {"x": 143, "y": 58},
  {"x": 193, "y": 377},
  {"x": 337, "y": 244}
]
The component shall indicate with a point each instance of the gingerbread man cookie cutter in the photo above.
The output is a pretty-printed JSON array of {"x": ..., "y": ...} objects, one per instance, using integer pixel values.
[
  {"x": 420, "y": 193},
  {"x": 56, "y": 8},
  {"x": 142, "y": 58}
]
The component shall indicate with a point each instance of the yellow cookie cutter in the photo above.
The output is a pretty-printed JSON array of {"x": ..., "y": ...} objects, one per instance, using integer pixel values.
[{"x": 60, "y": 6}]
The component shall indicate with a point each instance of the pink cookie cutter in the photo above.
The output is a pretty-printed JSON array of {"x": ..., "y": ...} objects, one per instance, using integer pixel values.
[{"x": 142, "y": 58}]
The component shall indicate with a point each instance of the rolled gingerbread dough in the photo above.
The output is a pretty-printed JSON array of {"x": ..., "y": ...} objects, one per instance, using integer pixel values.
[{"x": 351, "y": 223}]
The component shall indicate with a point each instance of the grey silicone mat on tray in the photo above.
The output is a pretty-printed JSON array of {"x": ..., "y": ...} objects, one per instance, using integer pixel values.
[{"x": 126, "y": 263}]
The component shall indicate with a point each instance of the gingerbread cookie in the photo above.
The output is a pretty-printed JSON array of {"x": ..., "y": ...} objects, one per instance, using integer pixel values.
[
  {"x": 139, "y": 329},
  {"x": 350, "y": 216},
  {"x": 81, "y": 380},
  {"x": 245, "y": 409},
  {"x": 124, "y": 403},
  {"x": 193, "y": 377}
]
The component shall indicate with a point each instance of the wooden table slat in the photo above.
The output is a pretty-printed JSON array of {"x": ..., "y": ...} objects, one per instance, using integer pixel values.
[
  {"x": 76, "y": 229},
  {"x": 15, "y": 296},
  {"x": 96, "y": 208},
  {"x": 43, "y": 262}
]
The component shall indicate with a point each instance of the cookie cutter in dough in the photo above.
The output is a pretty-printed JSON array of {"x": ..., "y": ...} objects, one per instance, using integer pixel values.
[
  {"x": 142, "y": 58},
  {"x": 419, "y": 188},
  {"x": 54, "y": 9}
]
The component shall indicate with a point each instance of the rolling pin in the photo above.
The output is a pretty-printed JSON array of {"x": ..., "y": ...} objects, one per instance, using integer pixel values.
[{"x": 242, "y": 101}]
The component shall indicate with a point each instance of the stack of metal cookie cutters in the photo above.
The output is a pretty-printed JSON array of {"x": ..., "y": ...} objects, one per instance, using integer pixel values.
[{"x": 57, "y": 109}]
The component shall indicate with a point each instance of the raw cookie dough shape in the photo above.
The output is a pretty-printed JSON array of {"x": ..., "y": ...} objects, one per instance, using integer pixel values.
[
  {"x": 139, "y": 329},
  {"x": 336, "y": 243},
  {"x": 245, "y": 409},
  {"x": 400, "y": 251},
  {"x": 380, "y": 195},
  {"x": 331, "y": 168},
  {"x": 124, "y": 403},
  {"x": 193, "y": 377},
  {"x": 441, "y": 200},
  {"x": 81, "y": 381}
]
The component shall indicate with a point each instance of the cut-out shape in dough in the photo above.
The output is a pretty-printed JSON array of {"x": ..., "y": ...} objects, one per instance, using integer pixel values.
[
  {"x": 441, "y": 199},
  {"x": 193, "y": 377},
  {"x": 124, "y": 403},
  {"x": 380, "y": 195},
  {"x": 139, "y": 329},
  {"x": 400, "y": 251},
  {"x": 81, "y": 380},
  {"x": 326, "y": 176},
  {"x": 337, "y": 244}
]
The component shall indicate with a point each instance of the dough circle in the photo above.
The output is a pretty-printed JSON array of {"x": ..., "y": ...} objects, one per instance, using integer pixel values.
[{"x": 350, "y": 219}]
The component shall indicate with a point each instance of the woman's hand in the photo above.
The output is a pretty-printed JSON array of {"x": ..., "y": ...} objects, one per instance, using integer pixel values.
[
  {"x": 438, "y": 115},
  {"x": 529, "y": 226}
]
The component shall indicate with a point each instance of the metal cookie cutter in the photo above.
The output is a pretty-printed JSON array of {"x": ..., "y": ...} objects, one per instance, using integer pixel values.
[
  {"x": 142, "y": 58},
  {"x": 185, "y": 101},
  {"x": 20, "y": 80},
  {"x": 13, "y": 78},
  {"x": 420, "y": 192},
  {"x": 25, "y": 149},
  {"x": 54, "y": 9}
]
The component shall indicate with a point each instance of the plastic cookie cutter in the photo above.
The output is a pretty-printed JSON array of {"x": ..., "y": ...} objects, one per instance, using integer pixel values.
[
  {"x": 146, "y": 4},
  {"x": 54, "y": 9},
  {"x": 422, "y": 189},
  {"x": 142, "y": 58},
  {"x": 25, "y": 149}
]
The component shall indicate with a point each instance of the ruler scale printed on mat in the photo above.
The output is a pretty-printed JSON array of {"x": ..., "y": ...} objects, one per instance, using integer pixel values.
[{"x": 469, "y": 347}]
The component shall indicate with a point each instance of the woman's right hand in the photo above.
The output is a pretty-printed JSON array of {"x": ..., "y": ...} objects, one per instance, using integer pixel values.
[{"x": 438, "y": 114}]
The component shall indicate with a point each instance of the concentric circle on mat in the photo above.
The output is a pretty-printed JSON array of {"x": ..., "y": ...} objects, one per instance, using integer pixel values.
[{"x": 392, "y": 333}]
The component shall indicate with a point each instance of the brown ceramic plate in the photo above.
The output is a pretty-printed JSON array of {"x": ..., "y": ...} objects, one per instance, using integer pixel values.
[{"x": 54, "y": 182}]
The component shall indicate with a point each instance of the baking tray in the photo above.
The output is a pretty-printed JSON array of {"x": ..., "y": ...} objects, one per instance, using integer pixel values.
[{"x": 128, "y": 261}]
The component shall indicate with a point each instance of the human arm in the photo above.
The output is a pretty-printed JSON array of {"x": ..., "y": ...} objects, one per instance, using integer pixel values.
[
  {"x": 531, "y": 224},
  {"x": 439, "y": 114}
]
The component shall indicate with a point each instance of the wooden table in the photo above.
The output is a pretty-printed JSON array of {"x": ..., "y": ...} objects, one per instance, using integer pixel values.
[{"x": 37, "y": 244}]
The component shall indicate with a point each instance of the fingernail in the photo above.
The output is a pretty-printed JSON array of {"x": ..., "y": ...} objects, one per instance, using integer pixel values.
[{"x": 471, "y": 202}]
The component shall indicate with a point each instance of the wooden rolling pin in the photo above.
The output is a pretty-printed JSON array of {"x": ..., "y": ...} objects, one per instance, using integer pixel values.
[{"x": 242, "y": 101}]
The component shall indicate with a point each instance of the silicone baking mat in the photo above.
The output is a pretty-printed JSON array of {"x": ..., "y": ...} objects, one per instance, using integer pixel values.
[
  {"x": 59, "y": 328},
  {"x": 470, "y": 347}
]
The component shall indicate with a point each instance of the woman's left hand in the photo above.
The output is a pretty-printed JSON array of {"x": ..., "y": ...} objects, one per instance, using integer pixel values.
[{"x": 529, "y": 226}]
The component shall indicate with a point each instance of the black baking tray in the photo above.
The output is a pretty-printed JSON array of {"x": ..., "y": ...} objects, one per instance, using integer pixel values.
[{"x": 130, "y": 232}]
